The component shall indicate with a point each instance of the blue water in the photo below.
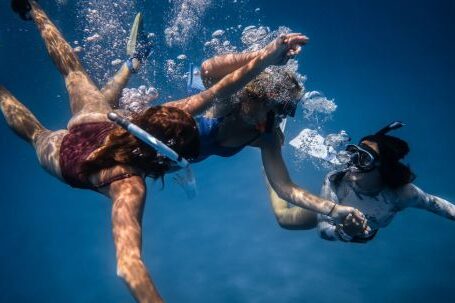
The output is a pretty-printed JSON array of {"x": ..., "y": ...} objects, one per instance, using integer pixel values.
[{"x": 381, "y": 61}]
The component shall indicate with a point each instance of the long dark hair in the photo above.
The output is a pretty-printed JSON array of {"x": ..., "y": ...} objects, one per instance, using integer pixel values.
[
  {"x": 391, "y": 151},
  {"x": 172, "y": 126}
]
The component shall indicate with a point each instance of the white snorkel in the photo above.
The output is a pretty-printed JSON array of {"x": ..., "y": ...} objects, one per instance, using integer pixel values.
[{"x": 185, "y": 179}]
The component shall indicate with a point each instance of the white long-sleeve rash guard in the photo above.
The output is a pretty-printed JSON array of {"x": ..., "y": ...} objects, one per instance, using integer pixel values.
[{"x": 378, "y": 209}]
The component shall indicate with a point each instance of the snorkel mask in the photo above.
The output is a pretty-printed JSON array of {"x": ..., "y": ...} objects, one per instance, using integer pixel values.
[
  {"x": 362, "y": 157},
  {"x": 185, "y": 179}
]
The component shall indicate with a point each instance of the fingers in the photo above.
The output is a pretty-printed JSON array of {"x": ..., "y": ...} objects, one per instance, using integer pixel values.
[
  {"x": 364, "y": 225},
  {"x": 295, "y": 39},
  {"x": 356, "y": 218},
  {"x": 294, "y": 52},
  {"x": 366, "y": 231},
  {"x": 358, "y": 215},
  {"x": 294, "y": 43}
]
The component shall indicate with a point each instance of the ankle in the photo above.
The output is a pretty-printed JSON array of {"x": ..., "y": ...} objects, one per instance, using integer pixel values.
[{"x": 133, "y": 64}]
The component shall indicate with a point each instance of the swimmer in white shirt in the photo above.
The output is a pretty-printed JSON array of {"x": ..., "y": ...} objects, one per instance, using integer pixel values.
[{"x": 375, "y": 182}]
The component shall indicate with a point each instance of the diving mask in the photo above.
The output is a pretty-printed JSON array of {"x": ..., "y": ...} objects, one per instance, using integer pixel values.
[{"x": 362, "y": 157}]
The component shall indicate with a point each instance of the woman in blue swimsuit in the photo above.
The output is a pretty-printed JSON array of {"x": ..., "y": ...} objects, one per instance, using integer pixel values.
[{"x": 253, "y": 119}]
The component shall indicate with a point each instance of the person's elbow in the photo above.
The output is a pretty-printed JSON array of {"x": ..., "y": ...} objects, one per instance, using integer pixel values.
[
  {"x": 206, "y": 72},
  {"x": 283, "y": 189},
  {"x": 284, "y": 225},
  {"x": 282, "y": 222}
]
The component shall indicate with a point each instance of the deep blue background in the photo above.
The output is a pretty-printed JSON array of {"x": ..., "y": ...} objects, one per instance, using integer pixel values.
[{"x": 380, "y": 60}]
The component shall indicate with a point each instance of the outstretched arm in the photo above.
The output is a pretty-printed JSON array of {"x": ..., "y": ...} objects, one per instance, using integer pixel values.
[
  {"x": 276, "y": 53},
  {"x": 214, "y": 69},
  {"x": 280, "y": 181},
  {"x": 290, "y": 217},
  {"x": 412, "y": 196},
  {"x": 128, "y": 197}
]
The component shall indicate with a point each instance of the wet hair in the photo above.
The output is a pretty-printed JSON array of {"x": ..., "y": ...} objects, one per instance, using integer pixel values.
[
  {"x": 280, "y": 84},
  {"x": 172, "y": 126},
  {"x": 391, "y": 151}
]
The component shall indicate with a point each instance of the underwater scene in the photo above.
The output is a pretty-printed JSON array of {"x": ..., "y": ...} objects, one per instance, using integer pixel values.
[{"x": 227, "y": 151}]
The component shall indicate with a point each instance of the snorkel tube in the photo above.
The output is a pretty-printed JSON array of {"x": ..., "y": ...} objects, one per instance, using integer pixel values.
[
  {"x": 187, "y": 181},
  {"x": 392, "y": 126}
]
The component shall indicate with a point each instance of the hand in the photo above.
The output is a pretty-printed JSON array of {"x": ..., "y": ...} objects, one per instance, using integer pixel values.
[
  {"x": 340, "y": 213},
  {"x": 353, "y": 227},
  {"x": 285, "y": 47}
]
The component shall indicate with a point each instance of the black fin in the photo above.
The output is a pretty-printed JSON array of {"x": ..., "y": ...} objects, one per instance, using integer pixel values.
[{"x": 22, "y": 8}]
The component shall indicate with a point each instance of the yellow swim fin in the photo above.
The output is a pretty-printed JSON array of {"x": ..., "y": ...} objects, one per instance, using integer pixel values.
[{"x": 131, "y": 47}]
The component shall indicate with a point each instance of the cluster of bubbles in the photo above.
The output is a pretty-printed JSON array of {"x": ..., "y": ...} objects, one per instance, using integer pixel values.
[
  {"x": 219, "y": 44},
  {"x": 137, "y": 99},
  {"x": 322, "y": 151},
  {"x": 252, "y": 38},
  {"x": 316, "y": 105},
  {"x": 311, "y": 144},
  {"x": 175, "y": 70},
  {"x": 184, "y": 21},
  {"x": 105, "y": 32}
]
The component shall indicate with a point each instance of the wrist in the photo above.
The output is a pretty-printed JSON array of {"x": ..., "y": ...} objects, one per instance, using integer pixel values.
[
  {"x": 332, "y": 210},
  {"x": 264, "y": 57}
]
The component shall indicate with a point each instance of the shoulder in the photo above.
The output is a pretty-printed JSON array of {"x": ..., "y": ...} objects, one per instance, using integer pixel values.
[
  {"x": 408, "y": 191},
  {"x": 409, "y": 194}
]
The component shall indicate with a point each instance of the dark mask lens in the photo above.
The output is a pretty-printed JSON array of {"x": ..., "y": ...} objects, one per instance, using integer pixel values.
[
  {"x": 360, "y": 157},
  {"x": 365, "y": 159}
]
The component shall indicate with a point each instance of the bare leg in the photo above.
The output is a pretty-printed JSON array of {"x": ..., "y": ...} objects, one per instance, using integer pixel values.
[
  {"x": 18, "y": 117},
  {"x": 84, "y": 95},
  {"x": 214, "y": 69},
  {"x": 138, "y": 49},
  {"x": 290, "y": 217},
  {"x": 128, "y": 198},
  {"x": 113, "y": 89},
  {"x": 22, "y": 121}
]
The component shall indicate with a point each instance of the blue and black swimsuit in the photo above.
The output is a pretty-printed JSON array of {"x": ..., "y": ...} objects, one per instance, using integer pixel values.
[
  {"x": 209, "y": 146},
  {"x": 209, "y": 127}
]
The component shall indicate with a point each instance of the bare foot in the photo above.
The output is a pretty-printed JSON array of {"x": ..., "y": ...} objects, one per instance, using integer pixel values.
[{"x": 285, "y": 47}]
